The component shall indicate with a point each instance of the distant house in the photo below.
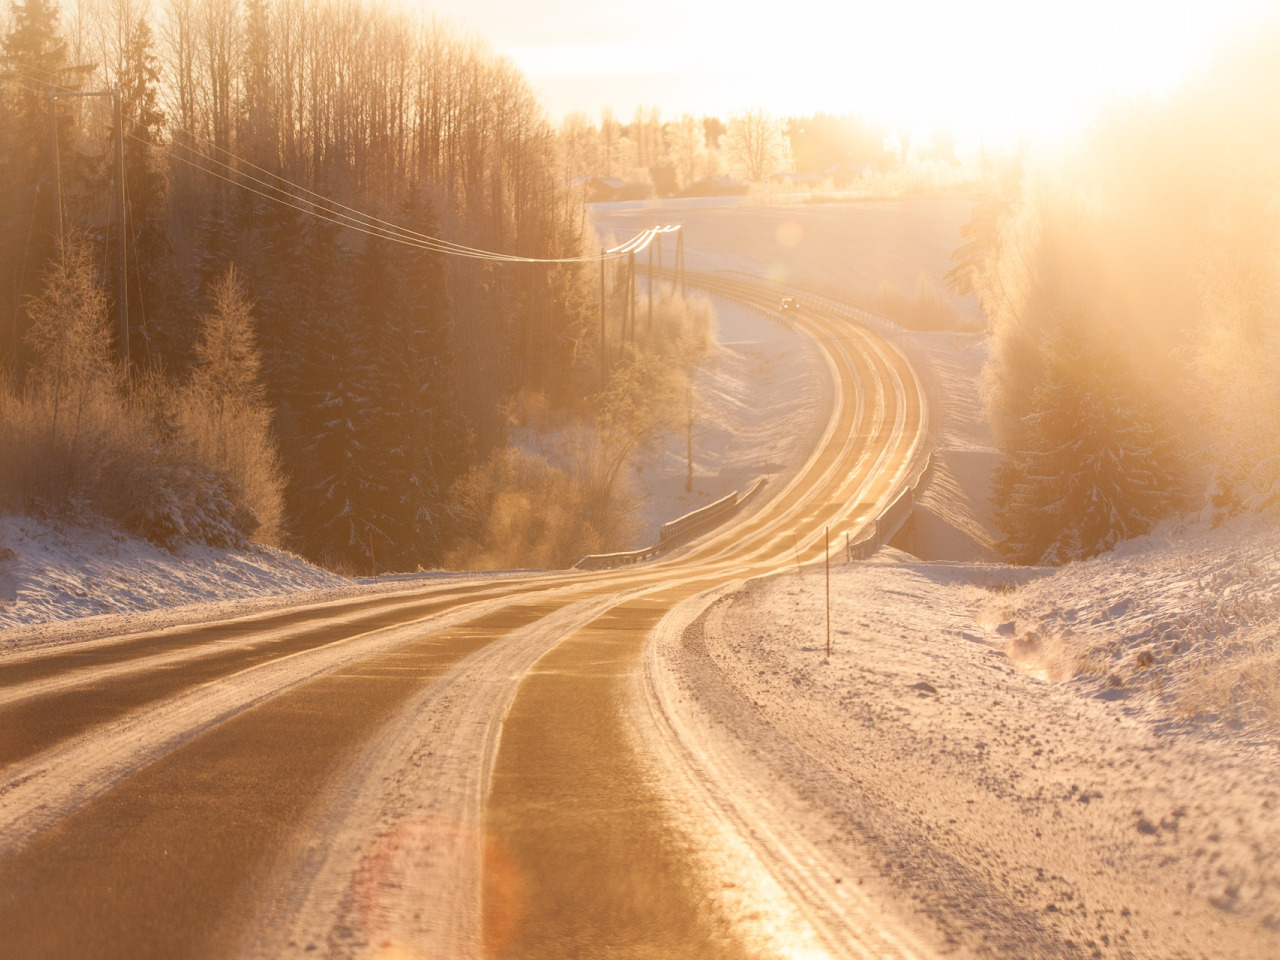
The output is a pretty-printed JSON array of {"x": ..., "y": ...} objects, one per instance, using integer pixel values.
[
  {"x": 605, "y": 189},
  {"x": 716, "y": 187},
  {"x": 845, "y": 172},
  {"x": 799, "y": 179}
]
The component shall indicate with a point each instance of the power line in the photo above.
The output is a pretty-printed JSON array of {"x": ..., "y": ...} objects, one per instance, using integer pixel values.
[
  {"x": 299, "y": 187},
  {"x": 638, "y": 242},
  {"x": 358, "y": 220}
]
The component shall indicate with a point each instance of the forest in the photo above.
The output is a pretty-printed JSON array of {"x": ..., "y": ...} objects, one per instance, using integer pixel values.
[
  {"x": 1132, "y": 287},
  {"x": 296, "y": 373}
]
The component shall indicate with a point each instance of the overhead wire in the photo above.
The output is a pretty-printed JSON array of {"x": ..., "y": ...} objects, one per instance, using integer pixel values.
[
  {"x": 361, "y": 221},
  {"x": 242, "y": 162},
  {"x": 355, "y": 219}
]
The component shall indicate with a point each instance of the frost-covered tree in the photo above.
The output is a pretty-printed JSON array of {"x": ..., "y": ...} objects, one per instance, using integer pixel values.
[
  {"x": 334, "y": 470},
  {"x": 755, "y": 145},
  {"x": 225, "y": 415},
  {"x": 688, "y": 149},
  {"x": 1087, "y": 457},
  {"x": 1093, "y": 467},
  {"x": 228, "y": 364},
  {"x": 426, "y": 440},
  {"x": 71, "y": 338}
]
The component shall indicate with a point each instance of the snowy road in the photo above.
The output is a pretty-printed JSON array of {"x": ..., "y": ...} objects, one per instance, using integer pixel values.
[{"x": 461, "y": 770}]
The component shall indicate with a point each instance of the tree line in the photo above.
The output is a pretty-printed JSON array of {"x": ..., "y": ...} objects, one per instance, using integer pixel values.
[
  {"x": 753, "y": 145},
  {"x": 1133, "y": 293},
  {"x": 251, "y": 129}
]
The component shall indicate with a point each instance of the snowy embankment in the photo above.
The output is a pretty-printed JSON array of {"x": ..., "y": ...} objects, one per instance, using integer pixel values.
[
  {"x": 52, "y": 572},
  {"x": 1117, "y": 812}
]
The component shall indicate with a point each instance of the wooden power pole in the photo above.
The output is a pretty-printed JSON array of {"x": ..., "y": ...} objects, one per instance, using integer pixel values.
[{"x": 122, "y": 291}]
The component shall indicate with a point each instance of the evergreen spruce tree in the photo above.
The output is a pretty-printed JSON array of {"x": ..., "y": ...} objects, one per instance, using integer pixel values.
[
  {"x": 34, "y": 54},
  {"x": 332, "y": 484},
  {"x": 427, "y": 442},
  {"x": 156, "y": 331},
  {"x": 1092, "y": 467}
]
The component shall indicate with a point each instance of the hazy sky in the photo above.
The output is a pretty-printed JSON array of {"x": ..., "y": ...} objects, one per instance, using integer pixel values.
[{"x": 994, "y": 65}]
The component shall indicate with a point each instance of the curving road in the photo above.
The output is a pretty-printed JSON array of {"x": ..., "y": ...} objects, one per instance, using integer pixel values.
[{"x": 459, "y": 770}]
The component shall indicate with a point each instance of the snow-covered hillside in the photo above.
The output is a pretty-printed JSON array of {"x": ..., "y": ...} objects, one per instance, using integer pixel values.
[
  {"x": 53, "y": 572},
  {"x": 1031, "y": 760}
]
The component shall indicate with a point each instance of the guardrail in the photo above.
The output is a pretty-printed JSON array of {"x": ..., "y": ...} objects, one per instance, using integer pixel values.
[
  {"x": 607, "y": 561},
  {"x": 891, "y": 519},
  {"x": 678, "y": 531},
  {"x": 683, "y": 529}
]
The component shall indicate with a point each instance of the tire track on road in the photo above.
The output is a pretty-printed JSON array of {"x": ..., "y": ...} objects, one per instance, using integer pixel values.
[{"x": 96, "y": 883}]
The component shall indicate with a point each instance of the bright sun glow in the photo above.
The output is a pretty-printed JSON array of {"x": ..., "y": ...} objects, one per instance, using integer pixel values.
[{"x": 992, "y": 67}]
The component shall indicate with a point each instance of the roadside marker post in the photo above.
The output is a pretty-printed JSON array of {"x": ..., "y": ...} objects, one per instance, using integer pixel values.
[{"x": 827, "y": 535}]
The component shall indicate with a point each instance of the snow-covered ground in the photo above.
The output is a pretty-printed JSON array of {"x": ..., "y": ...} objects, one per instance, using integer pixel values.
[
  {"x": 62, "y": 582},
  {"x": 1120, "y": 811},
  {"x": 53, "y": 571}
]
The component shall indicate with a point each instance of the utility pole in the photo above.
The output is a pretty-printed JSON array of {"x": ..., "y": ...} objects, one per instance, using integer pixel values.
[
  {"x": 827, "y": 535},
  {"x": 680, "y": 260},
  {"x": 650, "y": 328},
  {"x": 122, "y": 303},
  {"x": 57, "y": 170},
  {"x": 688, "y": 436},
  {"x": 604, "y": 341},
  {"x": 659, "y": 265},
  {"x": 631, "y": 296}
]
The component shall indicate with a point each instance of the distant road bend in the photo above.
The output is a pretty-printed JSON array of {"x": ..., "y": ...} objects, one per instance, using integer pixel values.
[{"x": 461, "y": 769}]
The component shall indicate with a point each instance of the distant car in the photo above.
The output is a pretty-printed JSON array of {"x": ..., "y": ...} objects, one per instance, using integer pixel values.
[{"x": 790, "y": 304}]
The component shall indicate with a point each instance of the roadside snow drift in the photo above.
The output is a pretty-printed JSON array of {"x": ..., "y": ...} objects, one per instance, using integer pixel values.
[
  {"x": 52, "y": 572},
  {"x": 1038, "y": 762}
]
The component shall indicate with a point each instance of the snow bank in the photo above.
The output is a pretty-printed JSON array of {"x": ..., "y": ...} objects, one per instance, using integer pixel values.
[
  {"x": 1185, "y": 620},
  {"x": 55, "y": 572},
  {"x": 1107, "y": 813}
]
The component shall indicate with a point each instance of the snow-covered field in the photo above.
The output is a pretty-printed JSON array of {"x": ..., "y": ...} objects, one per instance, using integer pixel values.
[{"x": 851, "y": 249}]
